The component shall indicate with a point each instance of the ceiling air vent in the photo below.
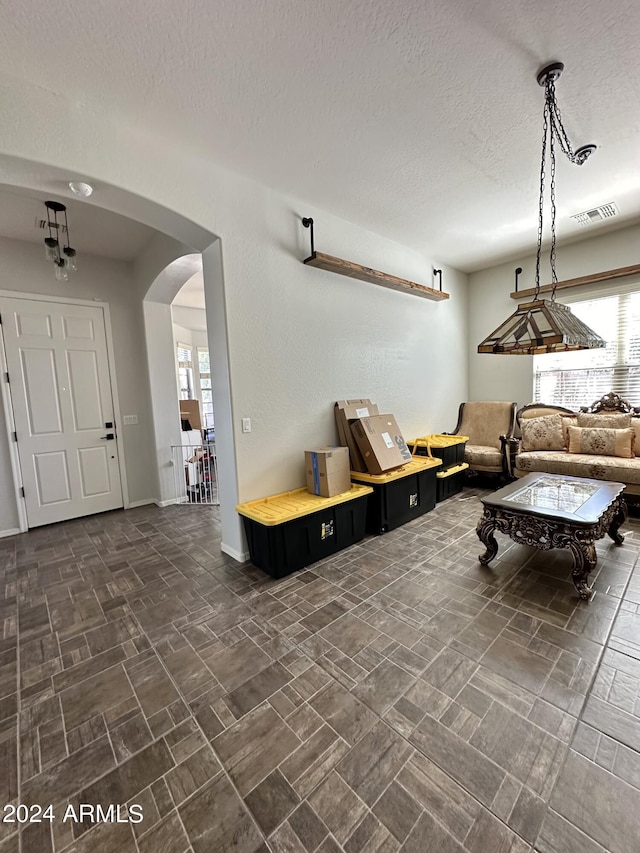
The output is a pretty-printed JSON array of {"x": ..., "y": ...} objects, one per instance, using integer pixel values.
[{"x": 588, "y": 217}]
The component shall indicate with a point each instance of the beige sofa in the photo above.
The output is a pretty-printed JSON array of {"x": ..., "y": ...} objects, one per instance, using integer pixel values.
[{"x": 606, "y": 424}]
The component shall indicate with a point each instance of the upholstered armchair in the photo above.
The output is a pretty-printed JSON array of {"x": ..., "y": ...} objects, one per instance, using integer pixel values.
[{"x": 489, "y": 426}]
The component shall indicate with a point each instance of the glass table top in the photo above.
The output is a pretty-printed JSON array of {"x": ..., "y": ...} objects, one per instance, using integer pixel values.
[
  {"x": 574, "y": 500},
  {"x": 554, "y": 493}
]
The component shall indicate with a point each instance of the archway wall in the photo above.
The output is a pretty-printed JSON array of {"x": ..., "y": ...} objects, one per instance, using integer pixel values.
[
  {"x": 296, "y": 338},
  {"x": 160, "y": 272}
]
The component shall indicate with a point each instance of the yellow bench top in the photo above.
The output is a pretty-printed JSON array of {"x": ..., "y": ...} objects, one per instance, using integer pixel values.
[
  {"x": 438, "y": 440},
  {"x": 286, "y": 506},
  {"x": 454, "y": 469},
  {"x": 417, "y": 464}
]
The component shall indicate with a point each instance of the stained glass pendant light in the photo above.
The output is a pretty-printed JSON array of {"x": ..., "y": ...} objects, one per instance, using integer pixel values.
[{"x": 544, "y": 325}]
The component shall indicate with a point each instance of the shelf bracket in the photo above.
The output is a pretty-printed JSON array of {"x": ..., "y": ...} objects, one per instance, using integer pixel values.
[
  {"x": 609, "y": 276},
  {"x": 518, "y": 270},
  {"x": 307, "y": 221},
  {"x": 353, "y": 270}
]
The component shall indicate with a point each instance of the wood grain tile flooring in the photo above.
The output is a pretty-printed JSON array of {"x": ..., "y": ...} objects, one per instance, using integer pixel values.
[{"x": 396, "y": 697}]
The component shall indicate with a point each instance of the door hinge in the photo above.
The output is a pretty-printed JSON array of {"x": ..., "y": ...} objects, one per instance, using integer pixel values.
[
  {"x": 15, "y": 436},
  {"x": 22, "y": 491},
  {"x": 6, "y": 376}
]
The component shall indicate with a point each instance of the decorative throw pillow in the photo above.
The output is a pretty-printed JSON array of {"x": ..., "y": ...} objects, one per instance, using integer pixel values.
[
  {"x": 543, "y": 433},
  {"x": 610, "y": 421},
  {"x": 568, "y": 421},
  {"x": 602, "y": 442},
  {"x": 635, "y": 425}
]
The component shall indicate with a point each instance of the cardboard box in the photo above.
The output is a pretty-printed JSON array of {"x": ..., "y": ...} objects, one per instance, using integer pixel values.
[
  {"x": 381, "y": 443},
  {"x": 327, "y": 471},
  {"x": 190, "y": 411},
  {"x": 346, "y": 411}
]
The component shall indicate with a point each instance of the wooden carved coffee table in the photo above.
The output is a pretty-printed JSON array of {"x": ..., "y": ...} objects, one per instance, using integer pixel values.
[{"x": 551, "y": 511}]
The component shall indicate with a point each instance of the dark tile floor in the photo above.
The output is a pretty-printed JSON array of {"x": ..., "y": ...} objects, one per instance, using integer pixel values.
[{"x": 397, "y": 697}]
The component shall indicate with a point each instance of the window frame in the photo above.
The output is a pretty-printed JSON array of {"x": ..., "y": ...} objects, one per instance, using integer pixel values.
[{"x": 620, "y": 378}]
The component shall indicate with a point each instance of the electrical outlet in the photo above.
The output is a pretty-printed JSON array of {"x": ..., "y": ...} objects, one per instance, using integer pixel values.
[
  {"x": 130, "y": 419},
  {"x": 246, "y": 425}
]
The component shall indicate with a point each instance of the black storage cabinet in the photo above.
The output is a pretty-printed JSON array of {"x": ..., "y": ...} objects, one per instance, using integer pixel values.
[
  {"x": 448, "y": 448},
  {"x": 450, "y": 481},
  {"x": 400, "y": 496},
  {"x": 283, "y": 547}
]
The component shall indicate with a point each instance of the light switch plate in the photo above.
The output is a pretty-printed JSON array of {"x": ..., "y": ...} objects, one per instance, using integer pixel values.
[
  {"x": 246, "y": 425},
  {"x": 130, "y": 419}
]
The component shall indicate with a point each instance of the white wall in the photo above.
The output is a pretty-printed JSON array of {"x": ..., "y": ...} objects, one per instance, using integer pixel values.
[
  {"x": 301, "y": 338},
  {"x": 509, "y": 377},
  {"x": 24, "y": 269},
  {"x": 190, "y": 318},
  {"x": 161, "y": 355},
  {"x": 180, "y": 333},
  {"x": 200, "y": 338},
  {"x": 296, "y": 338}
]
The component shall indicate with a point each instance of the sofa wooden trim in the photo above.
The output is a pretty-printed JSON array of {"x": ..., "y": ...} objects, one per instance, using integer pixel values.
[{"x": 610, "y": 403}]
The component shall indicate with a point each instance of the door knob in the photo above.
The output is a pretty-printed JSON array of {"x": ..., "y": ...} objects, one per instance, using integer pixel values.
[{"x": 108, "y": 437}]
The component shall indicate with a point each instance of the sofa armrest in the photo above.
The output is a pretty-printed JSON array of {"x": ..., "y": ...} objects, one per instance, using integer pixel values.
[{"x": 510, "y": 446}]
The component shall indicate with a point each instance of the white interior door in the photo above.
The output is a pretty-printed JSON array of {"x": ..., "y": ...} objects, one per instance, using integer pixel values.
[{"x": 62, "y": 402}]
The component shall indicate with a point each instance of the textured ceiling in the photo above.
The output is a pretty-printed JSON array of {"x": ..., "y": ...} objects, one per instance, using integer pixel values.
[{"x": 417, "y": 119}]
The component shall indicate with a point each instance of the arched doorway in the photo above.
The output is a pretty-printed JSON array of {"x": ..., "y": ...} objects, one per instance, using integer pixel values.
[{"x": 156, "y": 274}]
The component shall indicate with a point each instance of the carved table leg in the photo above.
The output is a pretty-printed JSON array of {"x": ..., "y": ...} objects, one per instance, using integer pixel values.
[
  {"x": 484, "y": 529},
  {"x": 584, "y": 561},
  {"x": 617, "y": 521}
]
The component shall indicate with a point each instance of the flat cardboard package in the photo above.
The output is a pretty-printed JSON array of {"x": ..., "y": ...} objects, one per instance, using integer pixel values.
[
  {"x": 327, "y": 471},
  {"x": 381, "y": 443},
  {"x": 190, "y": 411},
  {"x": 346, "y": 411}
]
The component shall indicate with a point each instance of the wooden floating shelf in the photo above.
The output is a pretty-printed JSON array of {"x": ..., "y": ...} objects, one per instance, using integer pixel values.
[
  {"x": 351, "y": 270},
  {"x": 607, "y": 275}
]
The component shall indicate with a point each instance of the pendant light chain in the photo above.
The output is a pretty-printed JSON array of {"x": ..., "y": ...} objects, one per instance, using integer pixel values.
[
  {"x": 552, "y": 190},
  {"x": 545, "y": 131},
  {"x": 552, "y": 130},
  {"x": 557, "y": 127},
  {"x": 544, "y": 325}
]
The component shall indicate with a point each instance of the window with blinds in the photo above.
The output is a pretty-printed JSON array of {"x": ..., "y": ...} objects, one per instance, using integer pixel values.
[
  {"x": 575, "y": 379},
  {"x": 204, "y": 371},
  {"x": 185, "y": 371}
]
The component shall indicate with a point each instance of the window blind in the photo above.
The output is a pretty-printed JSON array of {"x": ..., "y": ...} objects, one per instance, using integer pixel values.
[
  {"x": 183, "y": 354},
  {"x": 206, "y": 394},
  {"x": 575, "y": 379},
  {"x": 185, "y": 371}
]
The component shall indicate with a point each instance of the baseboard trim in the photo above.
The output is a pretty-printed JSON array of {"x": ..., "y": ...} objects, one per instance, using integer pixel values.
[
  {"x": 11, "y": 532},
  {"x": 240, "y": 556},
  {"x": 146, "y": 502},
  {"x": 171, "y": 502}
]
